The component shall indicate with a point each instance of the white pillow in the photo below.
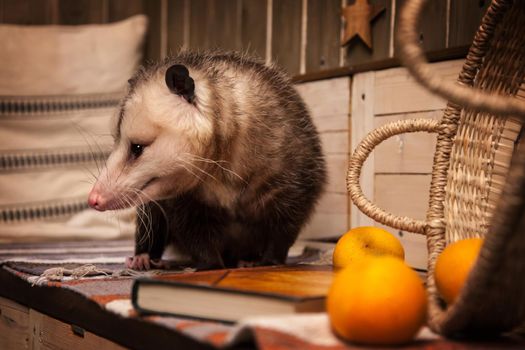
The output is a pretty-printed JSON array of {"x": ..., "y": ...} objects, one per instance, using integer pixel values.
[
  {"x": 60, "y": 88},
  {"x": 84, "y": 59}
]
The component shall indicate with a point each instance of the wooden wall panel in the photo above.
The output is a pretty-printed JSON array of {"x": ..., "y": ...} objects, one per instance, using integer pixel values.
[
  {"x": 407, "y": 153},
  {"x": 415, "y": 246},
  {"x": 433, "y": 25},
  {"x": 399, "y": 174},
  {"x": 242, "y": 25},
  {"x": 122, "y": 9},
  {"x": 153, "y": 49},
  {"x": 226, "y": 30},
  {"x": 177, "y": 25},
  {"x": 403, "y": 194},
  {"x": 199, "y": 24},
  {"x": 28, "y": 11},
  {"x": 329, "y": 104},
  {"x": 465, "y": 18},
  {"x": 253, "y": 27},
  {"x": 357, "y": 52},
  {"x": 336, "y": 166},
  {"x": 325, "y": 226},
  {"x": 326, "y": 98},
  {"x": 81, "y": 11},
  {"x": 397, "y": 92},
  {"x": 50, "y": 333},
  {"x": 215, "y": 24},
  {"x": 14, "y": 325},
  {"x": 286, "y": 34},
  {"x": 362, "y": 122},
  {"x": 335, "y": 142},
  {"x": 323, "y": 34},
  {"x": 333, "y": 203}
]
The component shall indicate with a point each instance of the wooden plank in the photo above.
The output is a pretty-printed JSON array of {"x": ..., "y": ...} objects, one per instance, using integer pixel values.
[
  {"x": 403, "y": 195},
  {"x": 27, "y": 11},
  {"x": 335, "y": 142},
  {"x": 14, "y": 325},
  {"x": 286, "y": 33},
  {"x": 415, "y": 246},
  {"x": 362, "y": 122},
  {"x": 226, "y": 24},
  {"x": 81, "y": 11},
  {"x": 432, "y": 56},
  {"x": 323, "y": 225},
  {"x": 336, "y": 166},
  {"x": 215, "y": 25},
  {"x": 50, "y": 333},
  {"x": 323, "y": 34},
  {"x": 332, "y": 203},
  {"x": 253, "y": 27},
  {"x": 330, "y": 217},
  {"x": 397, "y": 92},
  {"x": 406, "y": 153},
  {"x": 332, "y": 123},
  {"x": 357, "y": 52},
  {"x": 432, "y": 27},
  {"x": 154, "y": 50},
  {"x": 465, "y": 18},
  {"x": 199, "y": 24},
  {"x": 176, "y": 25},
  {"x": 327, "y": 98},
  {"x": 122, "y": 9}
]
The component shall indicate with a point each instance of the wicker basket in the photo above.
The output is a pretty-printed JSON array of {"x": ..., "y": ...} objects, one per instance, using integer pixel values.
[{"x": 478, "y": 176}]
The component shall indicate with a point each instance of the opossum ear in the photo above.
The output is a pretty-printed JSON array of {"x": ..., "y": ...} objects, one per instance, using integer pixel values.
[{"x": 179, "y": 82}]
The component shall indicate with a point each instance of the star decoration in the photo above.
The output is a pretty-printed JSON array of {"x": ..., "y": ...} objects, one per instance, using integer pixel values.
[{"x": 358, "y": 17}]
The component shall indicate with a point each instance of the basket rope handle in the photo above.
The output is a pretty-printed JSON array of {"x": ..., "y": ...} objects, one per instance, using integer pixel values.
[
  {"x": 414, "y": 60},
  {"x": 361, "y": 153}
]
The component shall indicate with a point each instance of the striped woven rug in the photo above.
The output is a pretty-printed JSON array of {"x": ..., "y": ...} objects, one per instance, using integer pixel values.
[{"x": 86, "y": 284}]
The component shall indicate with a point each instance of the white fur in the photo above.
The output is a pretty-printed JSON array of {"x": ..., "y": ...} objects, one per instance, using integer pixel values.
[{"x": 171, "y": 129}]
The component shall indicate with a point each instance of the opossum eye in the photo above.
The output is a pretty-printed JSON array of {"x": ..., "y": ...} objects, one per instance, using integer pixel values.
[{"x": 136, "y": 149}]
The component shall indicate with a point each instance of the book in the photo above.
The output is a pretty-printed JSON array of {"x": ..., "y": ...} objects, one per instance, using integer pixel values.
[{"x": 231, "y": 294}]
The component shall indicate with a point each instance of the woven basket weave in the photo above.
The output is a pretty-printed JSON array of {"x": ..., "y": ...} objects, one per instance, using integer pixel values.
[{"x": 478, "y": 176}]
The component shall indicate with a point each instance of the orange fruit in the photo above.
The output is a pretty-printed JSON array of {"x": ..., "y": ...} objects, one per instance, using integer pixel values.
[
  {"x": 365, "y": 241},
  {"x": 453, "y": 266},
  {"x": 380, "y": 302}
]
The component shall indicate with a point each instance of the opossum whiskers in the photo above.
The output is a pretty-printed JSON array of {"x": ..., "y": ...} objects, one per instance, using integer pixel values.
[
  {"x": 142, "y": 215},
  {"x": 90, "y": 174},
  {"x": 148, "y": 197},
  {"x": 84, "y": 135},
  {"x": 184, "y": 163},
  {"x": 95, "y": 156},
  {"x": 215, "y": 162},
  {"x": 138, "y": 193},
  {"x": 193, "y": 166}
]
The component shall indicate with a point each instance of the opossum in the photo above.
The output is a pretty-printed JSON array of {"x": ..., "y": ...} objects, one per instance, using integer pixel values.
[{"x": 221, "y": 156}]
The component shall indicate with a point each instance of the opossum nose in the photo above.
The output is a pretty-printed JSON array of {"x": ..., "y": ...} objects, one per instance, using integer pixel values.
[{"x": 95, "y": 200}]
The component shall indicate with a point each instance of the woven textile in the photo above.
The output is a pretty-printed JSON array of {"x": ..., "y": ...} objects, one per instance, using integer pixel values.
[
  {"x": 100, "y": 302},
  {"x": 60, "y": 89}
]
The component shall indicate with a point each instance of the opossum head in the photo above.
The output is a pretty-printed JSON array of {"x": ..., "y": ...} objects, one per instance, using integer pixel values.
[{"x": 160, "y": 135}]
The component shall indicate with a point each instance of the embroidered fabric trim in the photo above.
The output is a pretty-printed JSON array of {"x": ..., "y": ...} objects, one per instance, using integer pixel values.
[{"x": 44, "y": 210}]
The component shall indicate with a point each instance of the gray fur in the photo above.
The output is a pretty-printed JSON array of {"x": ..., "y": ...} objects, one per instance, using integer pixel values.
[{"x": 283, "y": 171}]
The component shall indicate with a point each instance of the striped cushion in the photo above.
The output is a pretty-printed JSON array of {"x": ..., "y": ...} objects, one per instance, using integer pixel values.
[{"x": 52, "y": 147}]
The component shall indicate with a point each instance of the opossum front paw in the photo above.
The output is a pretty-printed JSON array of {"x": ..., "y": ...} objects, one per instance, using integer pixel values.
[{"x": 142, "y": 262}]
